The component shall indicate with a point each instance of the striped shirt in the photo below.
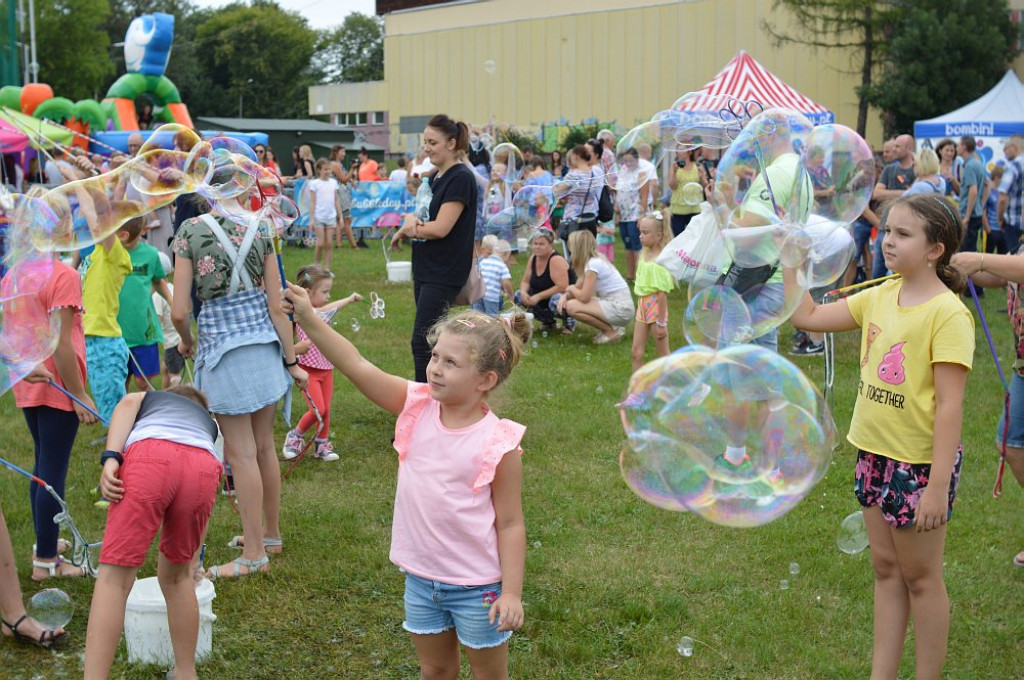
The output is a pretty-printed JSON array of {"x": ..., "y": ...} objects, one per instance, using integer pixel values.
[
  {"x": 493, "y": 270},
  {"x": 1012, "y": 185}
]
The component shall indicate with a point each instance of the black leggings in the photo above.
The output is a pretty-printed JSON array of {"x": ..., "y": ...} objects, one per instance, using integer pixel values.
[
  {"x": 53, "y": 432},
  {"x": 432, "y": 301}
]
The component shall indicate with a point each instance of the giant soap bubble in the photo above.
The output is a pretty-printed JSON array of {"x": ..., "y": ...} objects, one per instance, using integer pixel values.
[{"x": 683, "y": 410}]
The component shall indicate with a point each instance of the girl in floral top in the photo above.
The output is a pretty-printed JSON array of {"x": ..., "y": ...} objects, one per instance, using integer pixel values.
[{"x": 245, "y": 362}]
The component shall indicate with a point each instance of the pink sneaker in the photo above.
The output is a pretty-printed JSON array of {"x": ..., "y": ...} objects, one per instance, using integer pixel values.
[
  {"x": 292, "y": 445},
  {"x": 325, "y": 451}
]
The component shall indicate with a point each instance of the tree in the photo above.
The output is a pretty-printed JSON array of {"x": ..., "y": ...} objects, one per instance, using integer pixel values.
[
  {"x": 857, "y": 25},
  {"x": 354, "y": 51},
  {"x": 74, "y": 50},
  {"x": 255, "y": 58},
  {"x": 941, "y": 55}
]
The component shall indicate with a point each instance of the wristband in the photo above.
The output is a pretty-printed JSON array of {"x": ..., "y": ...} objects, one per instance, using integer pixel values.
[
  {"x": 289, "y": 365},
  {"x": 663, "y": 324},
  {"x": 108, "y": 454}
]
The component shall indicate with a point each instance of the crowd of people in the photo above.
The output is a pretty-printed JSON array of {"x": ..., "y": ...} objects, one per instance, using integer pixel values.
[{"x": 926, "y": 214}]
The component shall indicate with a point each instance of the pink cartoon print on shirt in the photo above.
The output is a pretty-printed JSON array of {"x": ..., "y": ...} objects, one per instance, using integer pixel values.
[{"x": 890, "y": 370}]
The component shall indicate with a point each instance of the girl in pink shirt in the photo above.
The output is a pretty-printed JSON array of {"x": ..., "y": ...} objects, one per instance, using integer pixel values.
[
  {"x": 458, "y": 531},
  {"x": 318, "y": 282}
]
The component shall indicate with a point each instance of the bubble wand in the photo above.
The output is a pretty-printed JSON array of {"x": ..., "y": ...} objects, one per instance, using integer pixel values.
[
  {"x": 103, "y": 421},
  {"x": 997, "y": 490},
  {"x": 81, "y": 549}
]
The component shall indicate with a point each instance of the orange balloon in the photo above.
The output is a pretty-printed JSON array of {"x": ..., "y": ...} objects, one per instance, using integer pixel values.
[{"x": 34, "y": 94}]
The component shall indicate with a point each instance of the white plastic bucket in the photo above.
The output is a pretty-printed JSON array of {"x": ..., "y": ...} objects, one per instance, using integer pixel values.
[
  {"x": 399, "y": 272},
  {"x": 145, "y": 623},
  {"x": 524, "y": 244}
]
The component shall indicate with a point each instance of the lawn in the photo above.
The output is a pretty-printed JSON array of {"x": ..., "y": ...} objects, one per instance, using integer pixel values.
[{"x": 612, "y": 583}]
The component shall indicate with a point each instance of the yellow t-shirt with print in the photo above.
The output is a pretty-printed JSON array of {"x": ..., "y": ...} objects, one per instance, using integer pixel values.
[
  {"x": 105, "y": 272},
  {"x": 895, "y": 411}
]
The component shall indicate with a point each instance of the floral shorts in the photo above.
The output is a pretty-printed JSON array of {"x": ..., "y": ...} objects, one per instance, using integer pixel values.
[
  {"x": 647, "y": 309},
  {"x": 895, "y": 487}
]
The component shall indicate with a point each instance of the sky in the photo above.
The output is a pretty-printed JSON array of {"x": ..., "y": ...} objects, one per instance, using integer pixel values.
[{"x": 319, "y": 13}]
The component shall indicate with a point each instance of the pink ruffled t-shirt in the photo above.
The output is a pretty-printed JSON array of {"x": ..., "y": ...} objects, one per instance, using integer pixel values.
[{"x": 443, "y": 528}]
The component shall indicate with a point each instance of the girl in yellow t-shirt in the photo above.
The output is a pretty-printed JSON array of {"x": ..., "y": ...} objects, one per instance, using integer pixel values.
[
  {"x": 917, "y": 341},
  {"x": 653, "y": 283}
]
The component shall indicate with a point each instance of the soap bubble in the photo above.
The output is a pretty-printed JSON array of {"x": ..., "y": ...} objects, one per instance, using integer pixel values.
[
  {"x": 490, "y": 67},
  {"x": 683, "y": 410},
  {"x": 717, "y": 317},
  {"x": 794, "y": 568},
  {"x": 768, "y": 302},
  {"x": 502, "y": 224},
  {"x": 783, "y": 584},
  {"x": 820, "y": 251},
  {"x": 692, "y": 193},
  {"x": 842, "y": 171},
  {"x": 354, "y": 323},
  {"x": 532, "y": 206},
  {"x": 511, "y": 157},
  {"x": 638, "y": 154},
  {"x": 852, "y": 537},
  {"x": 534, "y": 344},
  {"x": 52, "y": 608},
  {"x": 685, "y": 646}
]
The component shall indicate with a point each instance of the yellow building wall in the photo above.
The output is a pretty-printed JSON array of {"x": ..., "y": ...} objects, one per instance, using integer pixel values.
[{"x": 613, "y": 60}]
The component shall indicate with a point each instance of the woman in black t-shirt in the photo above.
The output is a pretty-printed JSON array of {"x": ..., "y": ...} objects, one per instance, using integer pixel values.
[{"x": 442, "y": 247}]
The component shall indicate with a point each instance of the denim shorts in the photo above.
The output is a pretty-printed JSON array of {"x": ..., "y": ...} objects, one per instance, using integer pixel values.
[
  {"x": 630, "y": 234},
  {"x": 1015, "y": 437},
  {"x": 432, "y": 607}
]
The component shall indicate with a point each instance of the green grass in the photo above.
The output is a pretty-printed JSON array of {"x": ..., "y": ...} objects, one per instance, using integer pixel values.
[{"x": 611, "y": 583}]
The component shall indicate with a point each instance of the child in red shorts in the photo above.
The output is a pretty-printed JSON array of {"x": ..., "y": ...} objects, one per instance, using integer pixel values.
[{"x": 167, "y": 475}]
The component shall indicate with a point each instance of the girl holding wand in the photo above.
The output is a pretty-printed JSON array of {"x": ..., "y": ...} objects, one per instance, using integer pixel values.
[
  {"x": 458, "y": 531},
  {"x": 318, "y": 282},
  {"x": 917, "y": 344}
]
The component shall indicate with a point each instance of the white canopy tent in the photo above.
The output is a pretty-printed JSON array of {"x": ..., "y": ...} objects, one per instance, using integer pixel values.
[{"x": 991, "y": 118}]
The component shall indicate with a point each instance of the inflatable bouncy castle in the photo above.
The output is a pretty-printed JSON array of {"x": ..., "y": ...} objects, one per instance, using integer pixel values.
[{"x": 147, "y": 49}]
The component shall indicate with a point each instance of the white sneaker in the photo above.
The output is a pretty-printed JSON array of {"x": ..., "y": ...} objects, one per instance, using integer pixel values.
[
  {"x": 292, "y": 445},
  {"x": 325, "y": 451}
]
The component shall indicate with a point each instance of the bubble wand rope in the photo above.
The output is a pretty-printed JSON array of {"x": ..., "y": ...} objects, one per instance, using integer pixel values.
[
  {"x": 83, "y": 136},
  {"x": 997, "y": 490},
  {"x": 37, "y": 134},
  {"x": 80, "y": 551},
  {"x": 104, "y": 421}
]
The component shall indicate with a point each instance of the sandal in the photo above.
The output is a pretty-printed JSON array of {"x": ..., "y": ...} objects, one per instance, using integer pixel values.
[
  {"x": 273, "y": 546},
  {"x": 63, "y": 545},
  {"x": 260, "y": 566},
  {"x": 47, "y": 638},
  {"x": 53, "y": 570}
]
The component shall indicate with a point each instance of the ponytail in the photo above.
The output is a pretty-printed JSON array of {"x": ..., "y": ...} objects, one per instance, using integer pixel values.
[
  {"x": 451, "y": 129},
  {"x": 953, "y": 278}
]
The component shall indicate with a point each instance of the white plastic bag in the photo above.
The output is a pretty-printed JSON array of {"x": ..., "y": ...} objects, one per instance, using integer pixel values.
[{"x": 698, "y": 255}]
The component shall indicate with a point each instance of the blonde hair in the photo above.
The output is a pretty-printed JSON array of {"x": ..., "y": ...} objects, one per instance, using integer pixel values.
[
  {"x": 312, "y": 274},
  {"x": 926, "y": 163},
  {"x": 489, "y": 242},
  {"x": 666, "y": 233},
  {"x": 496, "y": 344},
  {"x": 583, "y": 247},
  {"x": 305, "y": 151}
]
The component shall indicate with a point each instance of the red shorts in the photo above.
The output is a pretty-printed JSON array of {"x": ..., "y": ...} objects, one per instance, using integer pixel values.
[{"x": 164, "y": 483}]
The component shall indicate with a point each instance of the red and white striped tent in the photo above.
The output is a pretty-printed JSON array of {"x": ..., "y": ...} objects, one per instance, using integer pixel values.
[{"x": 747, "y": 80}]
